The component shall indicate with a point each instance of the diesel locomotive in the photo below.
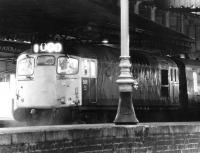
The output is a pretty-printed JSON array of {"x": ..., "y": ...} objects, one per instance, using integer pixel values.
[{"x": 80, "y": 85}]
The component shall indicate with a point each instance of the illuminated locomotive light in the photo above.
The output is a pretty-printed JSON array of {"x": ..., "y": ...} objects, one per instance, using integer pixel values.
[
  {"x": 43, "y": 47},
  {"x": 50, "y": 47},
  {"x": 58, "y": 47},
  {"x": 36, "y": 48}
]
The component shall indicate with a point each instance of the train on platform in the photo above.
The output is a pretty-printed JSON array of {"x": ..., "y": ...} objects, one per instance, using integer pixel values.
[{"x": 80, "y": 85}]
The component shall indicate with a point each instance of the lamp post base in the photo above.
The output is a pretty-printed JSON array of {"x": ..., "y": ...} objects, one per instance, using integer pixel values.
[{"x": 125, "y": 111}]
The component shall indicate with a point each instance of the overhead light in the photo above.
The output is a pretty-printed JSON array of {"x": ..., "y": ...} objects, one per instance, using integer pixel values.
[
  {"x": 105, "y": 41},
  {"x": 28, "y": 42},
  {"x": 182, "y": 56}
]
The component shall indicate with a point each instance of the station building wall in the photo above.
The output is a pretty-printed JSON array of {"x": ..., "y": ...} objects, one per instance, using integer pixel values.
[{"x": 7, "y": 71}]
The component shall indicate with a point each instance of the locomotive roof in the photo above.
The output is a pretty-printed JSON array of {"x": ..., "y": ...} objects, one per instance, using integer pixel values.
[
  {"x": 153, "y": 60},
  {"x": 22, "y": 55},
  {"x": 111, "y": 54}
]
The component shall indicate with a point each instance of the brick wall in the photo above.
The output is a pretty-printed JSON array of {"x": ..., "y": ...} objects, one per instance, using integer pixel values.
[{"x": 143, "y": 138}]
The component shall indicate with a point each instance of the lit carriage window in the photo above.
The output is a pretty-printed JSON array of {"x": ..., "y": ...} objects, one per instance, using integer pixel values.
[
  {"x": 195, "y": 82},
  {"x": 45, "y": 60},
  {"x": 25, "y": 66},
  {"x": 86, "y": 67},
  {"x": 67, "y": 65},
  {"x": 93, "y": 69}
]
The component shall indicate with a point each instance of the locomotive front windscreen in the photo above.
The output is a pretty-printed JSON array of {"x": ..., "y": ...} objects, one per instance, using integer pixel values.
[
  {"x": 26, "y": 66},
  {"x": 67, "y": 65},
  {"x": 46, "y": 60}
]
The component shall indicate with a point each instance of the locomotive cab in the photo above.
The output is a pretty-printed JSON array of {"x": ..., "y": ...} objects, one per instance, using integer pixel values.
[{"x": 53, "y": 81}]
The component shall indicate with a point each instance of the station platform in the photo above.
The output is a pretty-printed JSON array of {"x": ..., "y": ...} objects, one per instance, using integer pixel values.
[{"x": 183, "y": 137}]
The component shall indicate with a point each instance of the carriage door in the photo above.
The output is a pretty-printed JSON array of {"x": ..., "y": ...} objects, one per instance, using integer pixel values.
[
  {"x": 174, "y": 85},
  {"x": 164, "y": 83},
  {"x": 89, "y": 81}
]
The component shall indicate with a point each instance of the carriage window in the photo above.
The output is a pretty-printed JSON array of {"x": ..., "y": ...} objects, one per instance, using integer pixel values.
[
  {"x": 195, "y": 82},
  {"x": 86, "y": 67},
  {"x": 175, "y": 75},
  {"x": 164, "y": 83},
  {"x": 171, "y": 72},
  {"x": 25, "y": 66},
  {"x": 93, "y": 69},
  {"x": 164, "y": 77},
  {"x": 45, "y": 60},
  {"x": 67, "y": 65}
]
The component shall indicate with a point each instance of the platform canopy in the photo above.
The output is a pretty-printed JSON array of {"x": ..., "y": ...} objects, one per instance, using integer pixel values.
[
  {"x": 25, "y": 19},
  {"x": 24, "y": 22}
]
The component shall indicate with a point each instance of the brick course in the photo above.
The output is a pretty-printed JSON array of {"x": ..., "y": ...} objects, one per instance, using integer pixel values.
[{"x": 107, "y": 138}]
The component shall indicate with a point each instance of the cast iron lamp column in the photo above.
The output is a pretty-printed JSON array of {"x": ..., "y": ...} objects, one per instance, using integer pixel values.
[{"x": 125, "y": 111}]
